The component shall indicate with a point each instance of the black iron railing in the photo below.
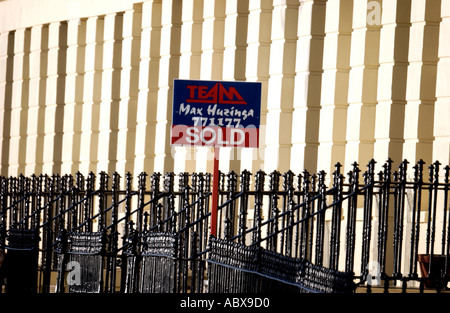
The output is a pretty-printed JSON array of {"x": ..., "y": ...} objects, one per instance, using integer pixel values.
[{"x": 299, "y": 233}]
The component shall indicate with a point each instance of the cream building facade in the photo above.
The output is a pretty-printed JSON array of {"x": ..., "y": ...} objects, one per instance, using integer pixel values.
[{"x": 87, "y": 85}]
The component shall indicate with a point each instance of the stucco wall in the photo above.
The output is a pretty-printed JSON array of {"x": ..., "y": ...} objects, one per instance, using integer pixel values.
[{"x": 87, "y": 85}]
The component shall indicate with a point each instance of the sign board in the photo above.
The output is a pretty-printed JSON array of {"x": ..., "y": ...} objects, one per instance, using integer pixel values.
[{"x": 216, "y": 113}]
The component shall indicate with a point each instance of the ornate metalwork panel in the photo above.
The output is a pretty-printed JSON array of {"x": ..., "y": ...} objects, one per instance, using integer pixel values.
[
  {"x": 159, "y": 263},
  {"x": 22, "y": 260}
]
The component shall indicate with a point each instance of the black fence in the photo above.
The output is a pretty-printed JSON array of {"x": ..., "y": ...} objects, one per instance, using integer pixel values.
[{"x": 359, "y": 232}]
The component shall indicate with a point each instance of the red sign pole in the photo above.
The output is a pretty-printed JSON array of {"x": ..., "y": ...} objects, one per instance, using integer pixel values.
[{"x": 215, "y": 192}]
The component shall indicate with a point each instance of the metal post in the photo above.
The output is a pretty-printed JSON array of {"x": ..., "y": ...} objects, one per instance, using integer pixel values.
[{"x": 215, "y": 192}]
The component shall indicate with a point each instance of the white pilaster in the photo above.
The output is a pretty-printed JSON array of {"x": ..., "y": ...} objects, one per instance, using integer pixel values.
[
  {"x": 441, "y": 147},
  {"x": 56, "y": 85},
  {"x": 211, "y": 68},
  {"x": 281, "y": 85},
  {"x": 362, "y": 91},
  {"x": 19, "y": 104},
  {"x": 37, "y": 100},
  {"x": 169, "y": 69},
  {"x": 335, "y": 79},
  {"x": 6, "y": 81},
  {"x": 257, "y": 69},
  {"x": 190, "y": 65},
  {"x": 76, "y": 43},
  {"x": 307, "y": 88},
  {"x": 392, "y": 75},
  {"x": 148, "y": 87},
  {"x": 91, "y": 94},
  {"x": 234, "y": 58},
  {"x": 421, "y": 81},
  {"x": 129, "y": 87},
  {"x": 110, "y": 93}
]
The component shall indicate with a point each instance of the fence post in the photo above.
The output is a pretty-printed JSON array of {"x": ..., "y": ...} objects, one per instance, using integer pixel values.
[
  {"x": 35, "y": 211},
  {"x": 229, "y": 213},
  {"x": 272, "y": 230},
  {"x": 46, "y": 246},
  {"x": 183, "y": 183},
  {"x": 288, "y": 180},
  {"x": 308, "y": 224},
  {"x": 155, "y": 179},
  {"x": 336, "y": 217},
  {"x": 185, "y": 239},
  {"x": 207, "y": 190},
  {"x": 4, "y": 206},
  {"x": 320, "y": 220},
  {"x": 169, "y": 203},
  {"x": 290, "y": 221},
  {"x": 367, "y": 217},
  {"x": 244, "y": 187},
  {"x": 128, "y": 195},
  {"x": 114, "y": 235},
  {"x": 201, "y": 227},
  {"x": 445, "y": 230},
  {"x": 415, "y": 219},
  {"x": 432, "y": 208},
  {"x": 102, "y": 201},
  {"x": 3, "y": 217},
  {"x": 398, "y": 218},
  {"x": 351, "y": 217},
  {"x": 141, "y": 201},
  {"x": 383, "y": 215},
  {"x": 13, "y": 202},
  {"x": 61, "y": 234},
  {"x": 195, "y": 274},
  {"x": 88, "y": 204},
  {"x": 259, "y": 187},
  {"x": 78, "y": 192},
  {"x": 3, "y": 211},
  {"x": 21, "y": 205}
]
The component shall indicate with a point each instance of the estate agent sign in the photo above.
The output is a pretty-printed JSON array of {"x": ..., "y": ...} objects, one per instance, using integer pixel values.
[{"x": 216, "y": 113}]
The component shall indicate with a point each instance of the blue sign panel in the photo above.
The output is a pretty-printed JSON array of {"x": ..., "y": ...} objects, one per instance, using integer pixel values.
[{"x": 216, "y": 113}]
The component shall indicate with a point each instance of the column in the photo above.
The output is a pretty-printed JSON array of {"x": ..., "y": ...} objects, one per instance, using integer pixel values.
[
  {"x": 148, "y": 87},
  {"x": 110, "y": 93},
  {"x": 257, "y": 69},
  {"x": 211, "y": 63},
  {"x": 335, "y": 79},
  {"x": 421, "y": 81},
  {"x": 56, "y": 85},
  {"x": 129, "y": 87},
  {"x": 441, "y": 131},
  {"x": 37, "y": 100},
  {"x": 191, "y": 39},
  {"x": 19, "y": 103},
  {"x": 169, "y": 69},
  {"x": 190, "y": 65},
  {"x": 281, "y": 85},
  {"x": 391, "y": 93},
  {"x": 91, "y": 94},
  {"x": 441, "y": 146},
  {"x": 234, "y": 60},
  {"x": 6, "y": 81},
  {"x": 76, "y": 43},
  {"x": 213, "y": 39},
  {"x": 308, "y": 84},
  {"x": 392, "y": 74},
  {"x": 362, "y": 90}
]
